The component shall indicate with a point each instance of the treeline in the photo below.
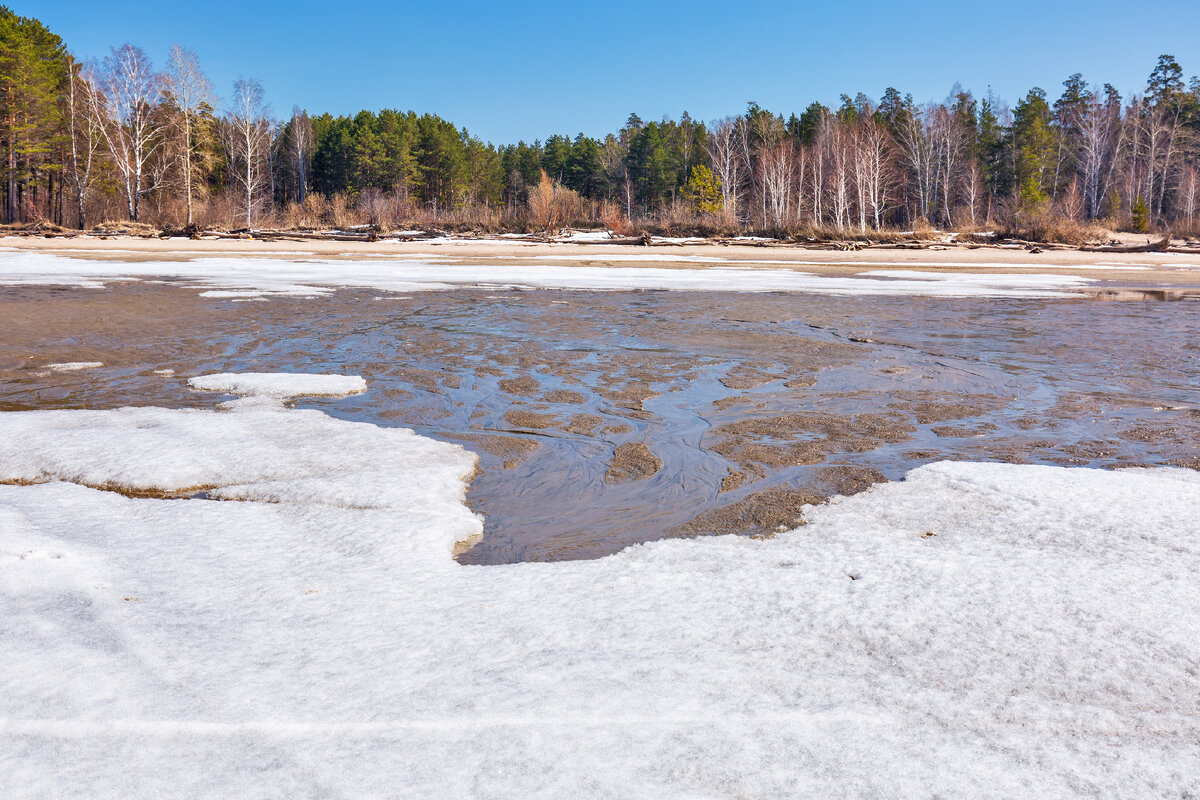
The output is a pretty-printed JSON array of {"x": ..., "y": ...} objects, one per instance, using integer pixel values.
[{"x": 116, "y": 138}]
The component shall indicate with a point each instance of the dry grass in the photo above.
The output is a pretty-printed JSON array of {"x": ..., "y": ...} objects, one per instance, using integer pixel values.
[
  {"x": 550, "y": 211},
  {"x": 39, "y": 226},
  {"x": 125, "y": 227},
  {"x": 1056, "y": 230}
]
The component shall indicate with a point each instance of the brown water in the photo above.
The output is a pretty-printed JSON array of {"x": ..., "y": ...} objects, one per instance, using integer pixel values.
[{"x": 607, "y": 418}]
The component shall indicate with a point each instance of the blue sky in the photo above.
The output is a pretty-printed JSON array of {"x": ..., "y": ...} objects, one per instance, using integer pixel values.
[{"x": 525, "y": 70}]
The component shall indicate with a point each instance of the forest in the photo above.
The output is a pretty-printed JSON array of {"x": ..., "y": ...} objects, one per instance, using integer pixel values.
[{"x": 119, "y": 138}]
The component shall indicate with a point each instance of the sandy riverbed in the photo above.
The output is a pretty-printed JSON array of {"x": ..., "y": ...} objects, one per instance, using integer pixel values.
[{"x": 608, "y": 418}]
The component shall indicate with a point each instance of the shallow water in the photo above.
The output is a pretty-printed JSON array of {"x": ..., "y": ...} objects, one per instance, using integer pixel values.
[{"x": 753, "y": 404}]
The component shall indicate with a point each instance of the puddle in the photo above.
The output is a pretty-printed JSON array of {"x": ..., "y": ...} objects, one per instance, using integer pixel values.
[{"x": 728, "y": 411}]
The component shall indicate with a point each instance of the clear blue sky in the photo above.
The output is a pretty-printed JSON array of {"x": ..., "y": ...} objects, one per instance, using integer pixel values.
[{"x": 523, "y": 70}]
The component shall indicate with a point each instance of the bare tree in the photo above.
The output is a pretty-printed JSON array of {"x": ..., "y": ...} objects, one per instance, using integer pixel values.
[
  {"x": 190, "y": 90},
  {"x": 725, "y": 154},
  {"x": 917, "y": 152},
  {"x": 949, "y": 142},
  {"x": 1189, "y": 193},
  {"x": 299, "y": 153},
  {"x": 85, "y": 117},
  {"x": 820, "y": 160},
  {"x": 836, "y": 140},
  {"x": 132, "y": 130},
  {"x": 872, "y": 177},
  {"x": 248, "y": 139},
  {"x": 777, "y": 170},
  {"x": 801, "y": 168},
  {"x": 1099, "y": 131}
]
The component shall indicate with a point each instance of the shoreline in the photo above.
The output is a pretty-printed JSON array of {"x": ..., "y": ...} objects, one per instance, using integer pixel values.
[{"x": 1179, "y": 273}]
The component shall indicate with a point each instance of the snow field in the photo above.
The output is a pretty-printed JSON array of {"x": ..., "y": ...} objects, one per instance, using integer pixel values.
[{"x": 976, "y": 630}]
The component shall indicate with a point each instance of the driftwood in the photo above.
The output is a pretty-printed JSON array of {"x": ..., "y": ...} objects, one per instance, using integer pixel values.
[{"x": 1160, "y": 246}]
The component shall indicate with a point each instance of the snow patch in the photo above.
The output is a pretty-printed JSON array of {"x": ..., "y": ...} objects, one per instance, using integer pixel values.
[
  {"x": 586, "y": 236},
  {"x": 279, "y": 384},
  {"x": 74, "y": 366},
  {"x": 981, "y": 630}
]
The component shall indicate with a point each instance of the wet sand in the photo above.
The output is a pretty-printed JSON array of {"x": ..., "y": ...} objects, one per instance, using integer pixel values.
[{"x": 608, "y": 418}]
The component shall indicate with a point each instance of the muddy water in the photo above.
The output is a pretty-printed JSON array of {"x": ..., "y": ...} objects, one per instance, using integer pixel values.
[{"x": 604, "y": 419}]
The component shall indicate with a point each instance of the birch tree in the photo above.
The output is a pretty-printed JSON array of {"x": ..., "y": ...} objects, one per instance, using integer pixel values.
[
  {"x": 915, "y": 140},
  {"x": 85, "y": 119},
  {"x": 248, "y": 139},
  {"x": 777, "y": 170},
  {"x": 872, "y": 178},
  {"x": 1098, "y": 126},
  {"x": 299, "y": 152},
  {"x": 132, "y": 131},
  {"x": 1189, "y": 194},
  {"x": 725, "y": 155},
  {"x": 190, "y": 90}
]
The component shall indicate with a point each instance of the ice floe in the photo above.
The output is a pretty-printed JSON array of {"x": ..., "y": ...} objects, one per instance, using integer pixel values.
[{"x": 976, "y": 630}]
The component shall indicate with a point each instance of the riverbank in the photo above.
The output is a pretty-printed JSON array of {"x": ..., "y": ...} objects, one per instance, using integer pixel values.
[{"x": 1116, "y": 275}]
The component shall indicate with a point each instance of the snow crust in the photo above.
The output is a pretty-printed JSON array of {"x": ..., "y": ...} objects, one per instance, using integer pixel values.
[
  {"x": 249, "y": 278},
  {"x": 977, "y": 630},
  {"x": 279, "y": 384},
  {"x": 74, "y": 366}
]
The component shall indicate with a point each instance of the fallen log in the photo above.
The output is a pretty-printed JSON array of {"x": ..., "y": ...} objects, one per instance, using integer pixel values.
[{"x": 1160, "y": 246}]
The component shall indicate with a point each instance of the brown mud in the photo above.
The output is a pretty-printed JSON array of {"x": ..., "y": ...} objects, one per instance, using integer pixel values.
[{"x": 604, "y": 419}]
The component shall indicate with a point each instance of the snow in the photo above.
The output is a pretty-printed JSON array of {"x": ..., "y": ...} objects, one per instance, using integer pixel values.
[
  {"x": 586, "y": 236},
  {"x": 977, "y": 630},
  {"x": 74, "y": 366},
  {"x": 679, "y": 240},
  {"x": 279, "y": 384},
  {"x": 250, "y": 278}
]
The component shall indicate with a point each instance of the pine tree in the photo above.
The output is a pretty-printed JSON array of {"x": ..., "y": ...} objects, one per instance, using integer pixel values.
[
  {"x": 33, "y": 72},
  {"x": 1035, "y": 145},
  {"x": 1139, "y": 216},
  {"x": 704, "y": 189}
]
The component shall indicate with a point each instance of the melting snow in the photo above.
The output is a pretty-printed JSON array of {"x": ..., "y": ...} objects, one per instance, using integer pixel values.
[
  {"x": 74, "y": 366},
  {"x": 279, "y": 384},
  {"x": 981, "y": 630},
  {"x": 250, "y": 278}
]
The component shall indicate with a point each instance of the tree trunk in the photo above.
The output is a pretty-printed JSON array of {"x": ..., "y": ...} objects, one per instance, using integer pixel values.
[{"x": 187, "y": 165}]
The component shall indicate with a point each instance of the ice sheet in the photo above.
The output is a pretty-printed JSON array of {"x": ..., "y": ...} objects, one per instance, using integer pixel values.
[{"x": 977, "y": 630}]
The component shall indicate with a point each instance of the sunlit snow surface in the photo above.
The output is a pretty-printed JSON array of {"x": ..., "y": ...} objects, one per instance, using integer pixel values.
[
  {"x": 245, "y": 277},
  {"x": 279, "y": 384},
  {"x": 977, "y": 630}
]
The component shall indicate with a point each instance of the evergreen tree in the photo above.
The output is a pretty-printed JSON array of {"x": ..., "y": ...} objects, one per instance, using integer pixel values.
[
  {"x": 585, "y": 168},
  {"x": 1035, "y": 145},
  {"x": 810, "y": 120},
  {"x": 33, "y": 71},
  {"x": 704, "y": 189}
]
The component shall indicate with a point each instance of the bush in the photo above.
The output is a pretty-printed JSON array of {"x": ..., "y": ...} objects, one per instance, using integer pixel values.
[{"x": 1139, "y": 216}]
